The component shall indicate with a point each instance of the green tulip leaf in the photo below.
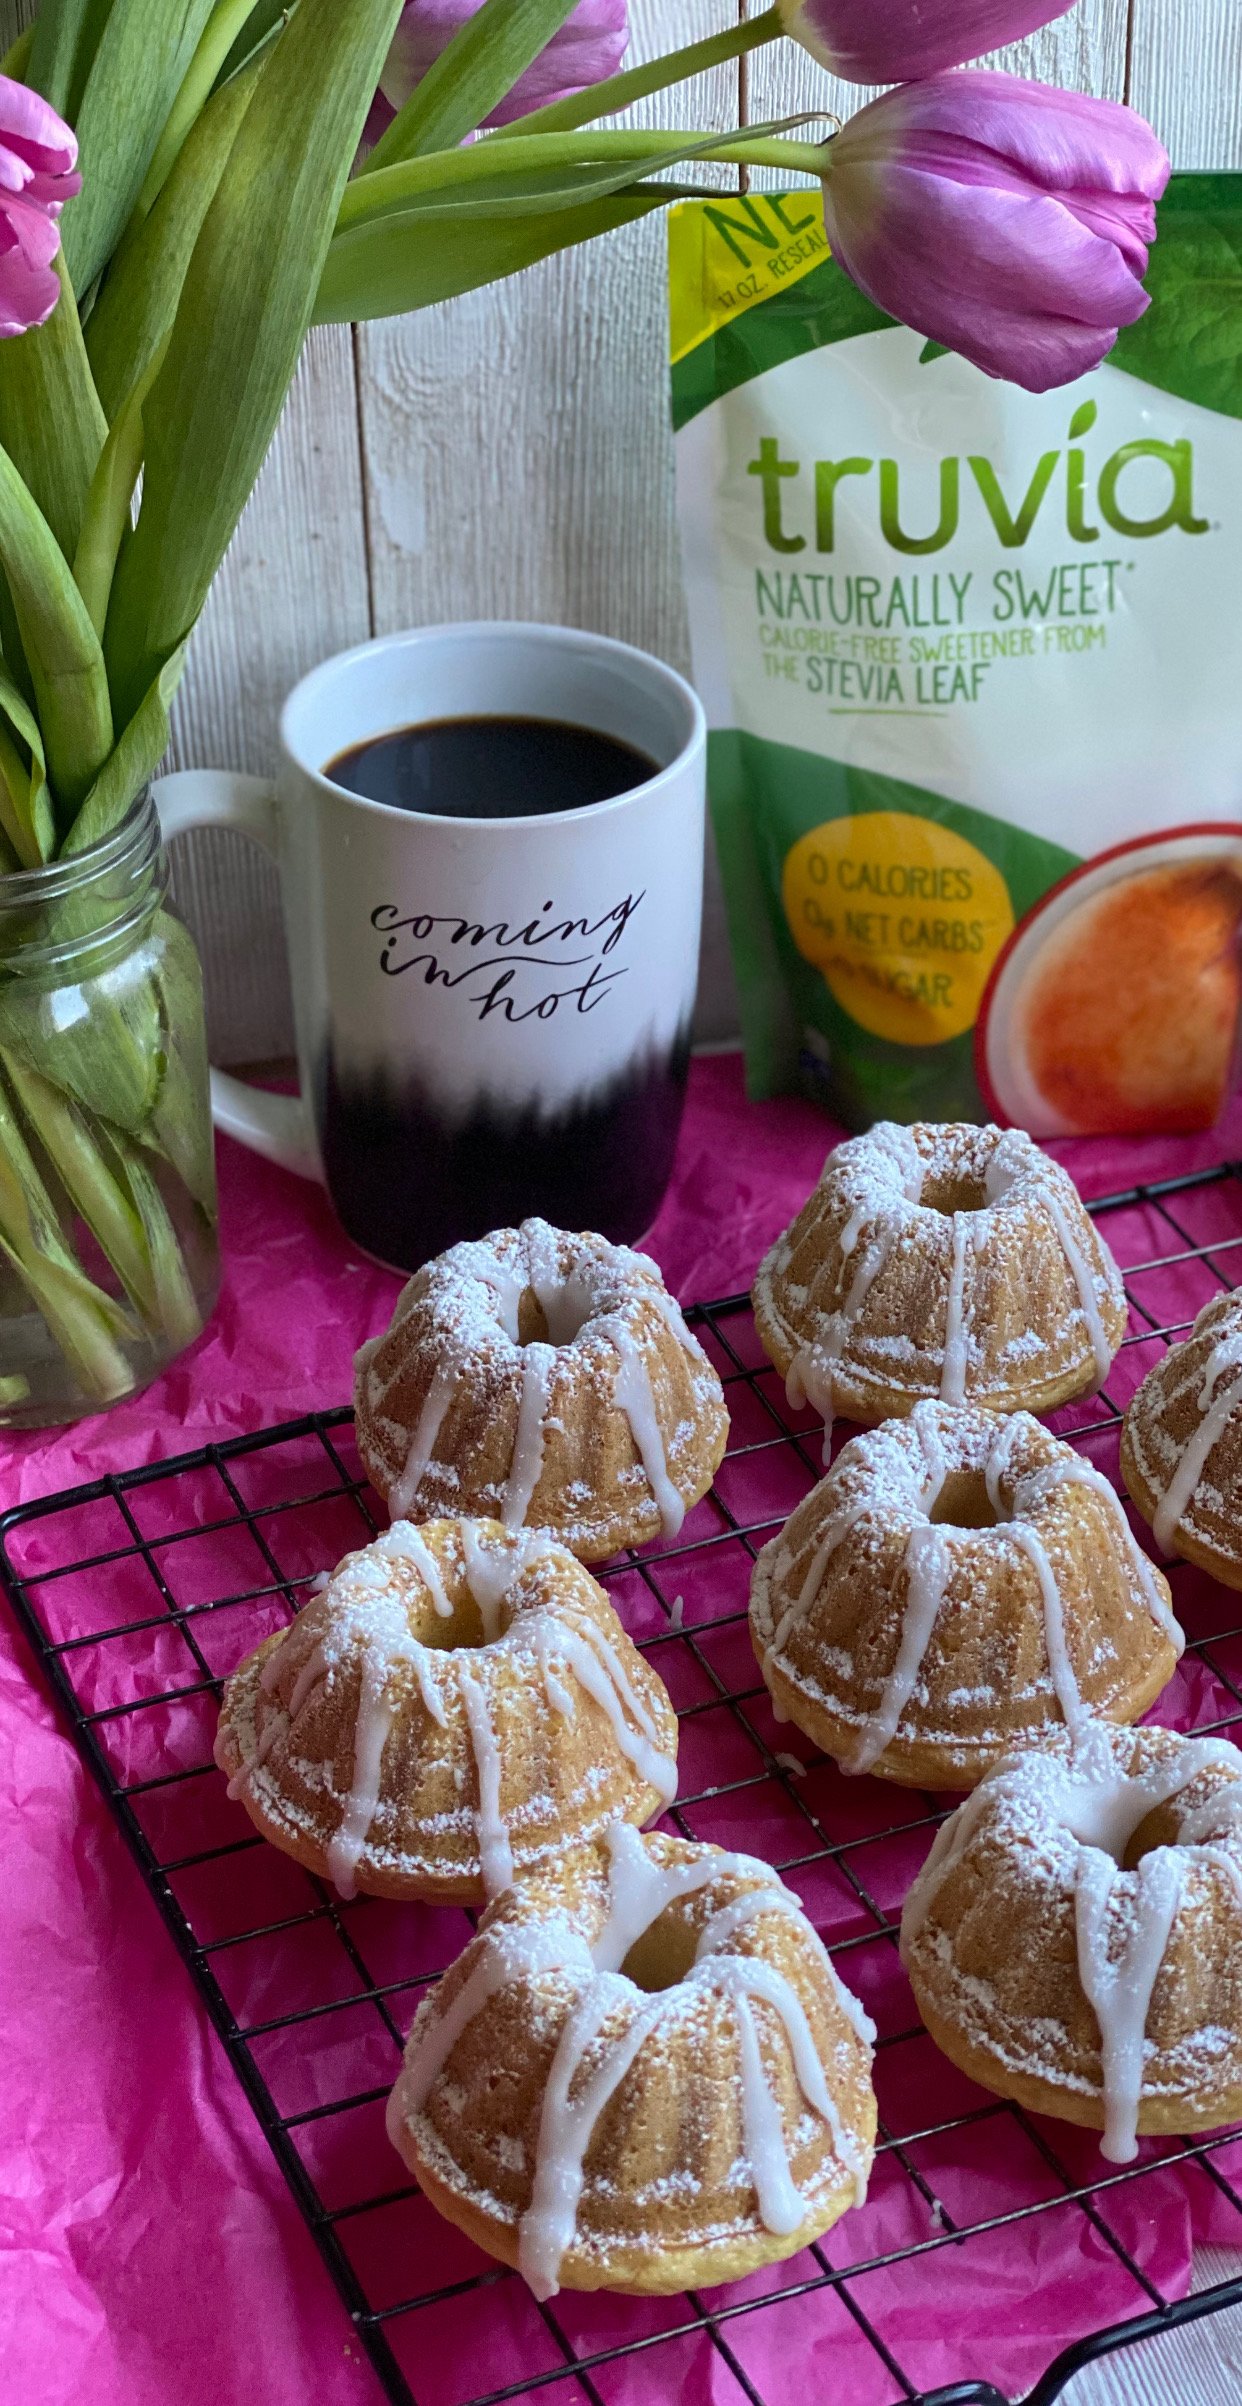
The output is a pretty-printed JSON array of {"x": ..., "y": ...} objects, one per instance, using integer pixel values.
[
  {"x": 51, "y": 421},
  {"x": 138, "y": 298},
  {"x": 60, "y": 645},
  {"x": 245, "y": 306},
  {"x": 34, "y": 836},
  {"x": 74, "y": 1146},
  {"x": 179, "y": 1127},
  {"x": 134, "y": 761},
  {"x": 85, "y": 1322},
  {"x": 263, "y": 21},
  {"x": 144, "y": 52},
  {"x": 110, "y": 1059},
  {"x": 383, "y": 268},
  {"x": 64, "y": 39}
]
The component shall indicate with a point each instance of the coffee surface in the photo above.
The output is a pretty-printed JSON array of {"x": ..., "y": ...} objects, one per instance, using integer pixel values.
[{"x": 491, "y": 768}]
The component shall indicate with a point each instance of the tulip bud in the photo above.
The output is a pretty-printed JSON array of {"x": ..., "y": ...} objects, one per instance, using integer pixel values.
[
  {"x": 1005, "y": 219},
  {"x": 38, "y": 156},
  {"x": 895, "y": 41}
]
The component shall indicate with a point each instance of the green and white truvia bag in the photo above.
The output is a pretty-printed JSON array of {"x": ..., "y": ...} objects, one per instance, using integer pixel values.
[{"x": 972, "y": 661}]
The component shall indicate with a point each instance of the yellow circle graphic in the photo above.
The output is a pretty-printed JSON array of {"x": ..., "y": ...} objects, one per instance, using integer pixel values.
[{"x": 903, "y": 919}]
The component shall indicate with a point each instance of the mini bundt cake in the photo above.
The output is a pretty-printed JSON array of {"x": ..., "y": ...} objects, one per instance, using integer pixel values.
[
  {"x": 643, "y": 2074},
  {"x": 542, "y": 1380},
  {"x": 956, "y": 1583},
  {"x": 458, "y": 1705},
  {"x": 1181, "y": 1446},
  {"x": 955, "y": 1262},
  {"x": 1074, "y": 1940}
]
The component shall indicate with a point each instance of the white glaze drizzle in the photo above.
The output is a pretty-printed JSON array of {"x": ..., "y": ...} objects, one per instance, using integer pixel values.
[
  {"x": 559, "y": 1696},
  {"x": 810, "y": 1375},
  {"x": 1217, "y": 1410},
  {"x": 997, "y": 1463},
  {"x": 1120, "y": 1990},
  {"x": 927, "y": 1567},
  {"x": 538, "y": 1365},
  {"x": 953, "y": 1375},
  {"x": 634, "y": 1394},
  {"x": 544, "y": 1275},
  {"x": 424, "y": 1440},
  {"x": 658, "y": 1768},
  {"x": 1084, "y": 1279},
  {"x": 1060, "y": 1668},
  {"x": 926, "y": 1570},
  {"x": 404, "y": 1541},
  {"x": 1039, "y": 1484},
  {"x": 371, "y": 1728},
  {"x": 507, "y": 1955},
  {"x": 495, "y": 1849},
  {"x": 780, "y": 2204},
  {"x": 492, "y": 1567},
  {"x": 949, "y": 1844}
]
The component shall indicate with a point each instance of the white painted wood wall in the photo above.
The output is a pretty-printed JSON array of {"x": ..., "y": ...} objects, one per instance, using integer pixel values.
[{"x": 508, "y": 455}]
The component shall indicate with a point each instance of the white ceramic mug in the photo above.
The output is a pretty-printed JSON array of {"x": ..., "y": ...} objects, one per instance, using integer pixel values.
[{"x": 493, "y": 1015}]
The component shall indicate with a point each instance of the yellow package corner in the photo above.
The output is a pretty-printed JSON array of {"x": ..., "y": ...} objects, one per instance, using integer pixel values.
[{"x": 727, "y": 254}]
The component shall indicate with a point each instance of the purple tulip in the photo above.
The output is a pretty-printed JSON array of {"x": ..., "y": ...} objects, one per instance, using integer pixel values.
[
  {"x": 895, "y": 41},
  {"x": 38, "y": 155},
  {"x": 588, "y": 47},
  {"x": 1005, "y": 219}
]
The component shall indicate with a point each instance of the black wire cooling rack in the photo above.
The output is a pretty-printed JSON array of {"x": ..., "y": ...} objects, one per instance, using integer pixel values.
[{"x": 139, "y": 1593}]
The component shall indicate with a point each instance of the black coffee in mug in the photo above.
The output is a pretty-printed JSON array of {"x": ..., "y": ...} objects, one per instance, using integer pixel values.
[{"x": 492, "y": 768}]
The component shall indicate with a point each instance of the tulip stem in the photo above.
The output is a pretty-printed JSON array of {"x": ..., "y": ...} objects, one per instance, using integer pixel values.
[
  {"x": 638, "y": 83},
  {"x": 388, "y": 188}
]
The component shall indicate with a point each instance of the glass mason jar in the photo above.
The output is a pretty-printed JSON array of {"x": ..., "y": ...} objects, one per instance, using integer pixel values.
[{"x": 108, "y": 1255}]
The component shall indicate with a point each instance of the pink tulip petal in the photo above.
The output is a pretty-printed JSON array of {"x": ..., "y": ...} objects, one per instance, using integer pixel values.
[
  {"x": 28, "y": 294},
  {"x": 1059, "y": 140},
  {"x": 38, "y": 161},
  {"x": 1006, "y": 220},
  {"x": 893, "y": 41},
  {"x": 36, "y": 235},
  {"x": 29, "y": 125}
]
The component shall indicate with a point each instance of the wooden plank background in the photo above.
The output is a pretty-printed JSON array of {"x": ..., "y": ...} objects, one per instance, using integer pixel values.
[{"x": 508, "y": 455}]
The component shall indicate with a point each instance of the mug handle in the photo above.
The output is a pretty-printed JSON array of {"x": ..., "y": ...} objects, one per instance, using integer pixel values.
[{"x": 277, "y": 1126}]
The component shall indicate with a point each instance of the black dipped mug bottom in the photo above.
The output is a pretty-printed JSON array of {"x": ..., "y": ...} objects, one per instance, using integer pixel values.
[{"x": 406, "y": 1184}]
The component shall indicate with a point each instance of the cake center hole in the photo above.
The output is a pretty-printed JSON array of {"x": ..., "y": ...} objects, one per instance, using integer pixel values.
[
  {"x": 663, "y": 1955},
  {"x": 460, "y": 1631},
  {"x": 1157, "y": 1828},
  {"x": 964, "y": 1502},
  {"x": 948, "y": 1194},
  {"x": 1122, "y": 1823},
  {"x": 557, "y": 1320}
]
